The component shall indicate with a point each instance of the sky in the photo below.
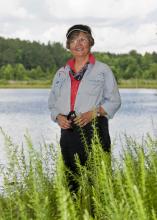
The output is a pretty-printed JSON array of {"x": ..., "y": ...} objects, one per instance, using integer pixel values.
[{"x": 118, "y": 26}]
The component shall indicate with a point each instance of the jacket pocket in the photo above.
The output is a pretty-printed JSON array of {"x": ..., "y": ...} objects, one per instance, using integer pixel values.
[
  {"x": 94, "y": 87},
  {"x": 58, "y": 86}
]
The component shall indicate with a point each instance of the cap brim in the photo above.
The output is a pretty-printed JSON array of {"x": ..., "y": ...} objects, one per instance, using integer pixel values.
[{"x": 75, "y": 29}]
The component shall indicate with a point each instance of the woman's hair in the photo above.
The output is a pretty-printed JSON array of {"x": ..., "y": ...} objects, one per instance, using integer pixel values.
[{"x": 75, "y": 30}]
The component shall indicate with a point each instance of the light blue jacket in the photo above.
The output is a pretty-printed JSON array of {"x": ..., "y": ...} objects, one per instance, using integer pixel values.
[{"x": 98, "y": 87}]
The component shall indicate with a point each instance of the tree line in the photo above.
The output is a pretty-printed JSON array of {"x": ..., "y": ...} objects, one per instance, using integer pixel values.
[{"x": 25, "y": 60}]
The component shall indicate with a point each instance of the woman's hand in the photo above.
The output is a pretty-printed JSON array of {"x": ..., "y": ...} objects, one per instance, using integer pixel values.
[
  {"x": 84, "y": 118},
  {"x": 63, "y": 121}
]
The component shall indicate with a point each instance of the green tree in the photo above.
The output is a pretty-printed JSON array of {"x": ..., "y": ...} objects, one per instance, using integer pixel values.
[
  {"x": 7, "y": 72},
  {"x": 59, "y": 54},
  {"x": 40, "y": 61},
  {"x": 20, "y": 72},
  {"x": 151, "y": 73}
]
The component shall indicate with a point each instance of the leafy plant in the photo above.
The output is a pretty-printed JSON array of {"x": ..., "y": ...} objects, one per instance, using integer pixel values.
[{"x": 35, "y": 183}]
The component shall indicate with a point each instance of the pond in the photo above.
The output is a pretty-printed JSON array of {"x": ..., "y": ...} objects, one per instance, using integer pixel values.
[{"x": 25, "y": 111}]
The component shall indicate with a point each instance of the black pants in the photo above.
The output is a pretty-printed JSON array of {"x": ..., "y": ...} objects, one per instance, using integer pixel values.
[{"x": 71, "y": 141}]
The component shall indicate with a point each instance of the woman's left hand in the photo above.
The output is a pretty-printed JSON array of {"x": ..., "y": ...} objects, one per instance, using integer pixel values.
[{"x": 84, "y": 118}]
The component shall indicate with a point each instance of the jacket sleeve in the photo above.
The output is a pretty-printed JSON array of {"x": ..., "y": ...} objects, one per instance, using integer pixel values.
[
  {"x": 112, "y": 100},
  {"x": 53, "y": 98}
]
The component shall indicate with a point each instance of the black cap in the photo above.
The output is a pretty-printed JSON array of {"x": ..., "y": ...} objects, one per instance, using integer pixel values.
[{"x": 79, "y": 27}]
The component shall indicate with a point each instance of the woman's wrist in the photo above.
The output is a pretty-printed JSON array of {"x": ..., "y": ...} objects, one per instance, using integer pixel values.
[
  {"x": 100, "y": 112},
  {"x": 96, "y": 113},
  {"x": 57, "y": 117}
]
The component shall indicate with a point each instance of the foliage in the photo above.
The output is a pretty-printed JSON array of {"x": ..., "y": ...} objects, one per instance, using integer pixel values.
[
  {"x": 25, "y": 60},
  {"x": 36, "y": 187}
]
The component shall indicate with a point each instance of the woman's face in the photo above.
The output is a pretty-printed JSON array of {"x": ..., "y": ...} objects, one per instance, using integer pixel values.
[{"x": 79, "y": 45}]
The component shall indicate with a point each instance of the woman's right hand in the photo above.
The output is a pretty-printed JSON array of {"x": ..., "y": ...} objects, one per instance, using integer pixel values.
[{"x": 63, "y": 121}]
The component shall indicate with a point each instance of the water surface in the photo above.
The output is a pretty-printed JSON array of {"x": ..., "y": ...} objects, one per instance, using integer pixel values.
[{"x": 25, "y": 110}]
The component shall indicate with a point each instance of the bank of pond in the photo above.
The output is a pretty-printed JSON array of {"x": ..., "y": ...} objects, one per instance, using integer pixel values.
[{"x": 130, "y": 83}]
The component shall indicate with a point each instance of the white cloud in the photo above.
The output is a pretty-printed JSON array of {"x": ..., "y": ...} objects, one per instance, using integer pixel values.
[
  {"x": 21, "y": 13},
  {"x": 118, "y": 25},
  {"x": 7, "y": 7},
  {"x": 55, "y": 33},
  {"x": 117, "y": 40},
  {"x": 101, "y": 8},
  {"x": 22, "y": 34},
  {"x": 13, "y": 9}
]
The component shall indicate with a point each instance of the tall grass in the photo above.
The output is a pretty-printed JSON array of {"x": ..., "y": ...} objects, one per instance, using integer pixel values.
[{"x": 35, "y": 184}]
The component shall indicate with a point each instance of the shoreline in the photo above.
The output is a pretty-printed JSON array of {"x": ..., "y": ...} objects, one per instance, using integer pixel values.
[{"x": 39, "y": 84}]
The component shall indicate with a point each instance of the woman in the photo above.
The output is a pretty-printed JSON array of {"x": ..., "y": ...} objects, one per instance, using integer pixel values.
[{"x": 82, "y": 90}]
